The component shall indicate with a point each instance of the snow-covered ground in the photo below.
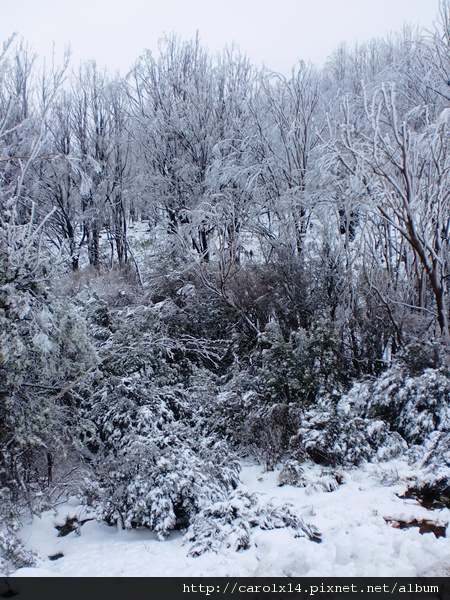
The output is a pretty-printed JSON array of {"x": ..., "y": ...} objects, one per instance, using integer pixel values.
[{"x": 358, "y": 538}]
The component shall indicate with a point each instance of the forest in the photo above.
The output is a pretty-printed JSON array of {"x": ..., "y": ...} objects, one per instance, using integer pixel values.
[{"x": 204, "y": 261}]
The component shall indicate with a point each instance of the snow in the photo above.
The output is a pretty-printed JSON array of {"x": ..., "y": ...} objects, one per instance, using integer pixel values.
[{"x": 355, "y": 520}]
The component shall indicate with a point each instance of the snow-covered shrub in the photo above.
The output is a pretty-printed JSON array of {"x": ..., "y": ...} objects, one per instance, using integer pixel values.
[
  {"x": 229, "y": 524},
  {"x": 297, "y": 369},
  {"x": 13, "y": 554},
  {"x": 154, "y": 465},
  {"x": 259, "y": 407},
  {"x": 419, "y": 356},
  {"x": 286, "y": 376},
  {"x": 436, "y": 461},
  {"x": 185, "y": 306},
  {"x": 44, "y": 349},
  {"x": 293, "y": 474},
  {"x": 329, "y": 440},
  {"x": 230, "y": 413},
  {"x": 268, "y": 431},
  {"x": 254, "y": 425},
  {"x": 336, "y": 433},
  {"x": 414, "y": 405},
  {"x": 432, "y": 490},
  {"x": 152, "y": 455},
  {"x": 377, "y": 419},
  {"x": 161, "y": 482}
]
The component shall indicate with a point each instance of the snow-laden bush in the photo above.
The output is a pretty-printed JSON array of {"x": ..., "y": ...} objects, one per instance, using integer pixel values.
[
  {"x": 151, "y": 464},
  {"x": 333, "y": 435},
  {"x": 259, "y": 408},
  {"x": 162, "y": 482},
  {"x": 432, "y": 462},
  {"x": 231, "y": 411},
  {"x": 229, "y": 524},
  {"x": 298, "y": 369},
  {"x": 44, "y": 350},
  {"x": 292, "y": 473},
  {"x": 377, "y": 419},
  {"x": 268, "y": 430},
  {"x": 255, "y": 425},
  {"x": 414, "y": 405},
  {"x": 13, "y": 554},
  {"x": 152, "y": 455},
  {"x": 418, "y": 356},
  {"x": 43, "y": 340}
]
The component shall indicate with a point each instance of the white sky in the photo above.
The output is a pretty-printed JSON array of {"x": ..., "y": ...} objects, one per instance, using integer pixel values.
[{"x": 275, "y": 32}]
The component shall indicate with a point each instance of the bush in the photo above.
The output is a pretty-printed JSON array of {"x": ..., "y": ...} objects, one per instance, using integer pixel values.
[
  {"x": 160, "y": 480},
  {"x": 229, "y": 524},
  {"x": 299, "y": 369},
  {"x": 151, "y": 461},
  {"x": 293, "y": 474},
  {"x": 44, "y": 349},
  {"x": 13, "y": 554},
  {"x": 269, "y": 428},
  {"x": 376, "y": 420},
  {"x": 331, "y": 437},
  {"x": 414, "y": 405},
  {"x": 252, "y": 424}
]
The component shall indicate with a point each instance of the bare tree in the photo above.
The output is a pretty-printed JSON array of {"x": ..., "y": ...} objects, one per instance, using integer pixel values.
[
  {"x": 175, "y": 131},
  {"x": 399, "y": 161},
  {"x": 286, "y": 114}
]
